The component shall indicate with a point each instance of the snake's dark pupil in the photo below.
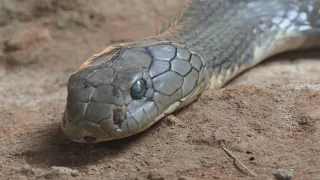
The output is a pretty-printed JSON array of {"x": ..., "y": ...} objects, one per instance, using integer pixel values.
[{"x": 138, "y": 89}]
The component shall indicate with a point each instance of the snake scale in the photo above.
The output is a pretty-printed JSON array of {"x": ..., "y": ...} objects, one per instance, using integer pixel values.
[{"x": 128, "y": 87}]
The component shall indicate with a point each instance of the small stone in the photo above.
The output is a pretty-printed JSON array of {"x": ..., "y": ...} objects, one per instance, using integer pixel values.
[
  {"x": 50, "y": 117},
  {"x": 75, "y": 173},
  {"x": 220, "y": 135},
  {"x": 136, "y": 152},
  {"x": 26, "y": 170},
  {"x": 152, "y": 160},
  {"x": 93, "y": 170},
  {"x": 241, "y": 146},
  {"x": 59, "y": 171},
  {"x": 155, "y": 175},
  {"x": 172, "y": 120},
  {"x": 284, "y": 174}
]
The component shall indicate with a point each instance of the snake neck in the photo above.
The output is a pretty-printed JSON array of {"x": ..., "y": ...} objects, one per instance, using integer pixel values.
[{"x": 234, "y": 36}]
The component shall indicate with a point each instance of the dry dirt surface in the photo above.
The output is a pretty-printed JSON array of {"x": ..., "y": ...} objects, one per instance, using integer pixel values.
[{"x": 268, "y": 118}]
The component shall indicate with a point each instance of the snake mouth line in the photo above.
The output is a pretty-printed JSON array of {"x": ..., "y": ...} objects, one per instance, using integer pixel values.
[
  {"x": 89, "y": 132},
  {"x": 84, "y": 129}
]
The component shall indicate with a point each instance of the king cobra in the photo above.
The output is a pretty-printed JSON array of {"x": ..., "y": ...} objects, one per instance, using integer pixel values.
[{"x": 128, "y": 87}]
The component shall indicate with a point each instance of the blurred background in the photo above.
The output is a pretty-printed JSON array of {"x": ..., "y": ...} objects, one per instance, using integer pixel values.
[{"x": 43, "y": 41}]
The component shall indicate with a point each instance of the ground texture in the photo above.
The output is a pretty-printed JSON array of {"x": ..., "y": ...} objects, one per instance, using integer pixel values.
[{"x": 269, "y": 117}]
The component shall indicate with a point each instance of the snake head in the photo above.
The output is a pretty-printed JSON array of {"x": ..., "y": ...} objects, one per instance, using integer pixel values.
[{"x": 126, "y": 89}]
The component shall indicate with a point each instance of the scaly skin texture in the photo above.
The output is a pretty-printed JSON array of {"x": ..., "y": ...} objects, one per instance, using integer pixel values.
[{"x": 127, "y": 88}]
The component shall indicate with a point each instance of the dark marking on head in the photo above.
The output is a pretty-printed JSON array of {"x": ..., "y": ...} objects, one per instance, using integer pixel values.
[{"x": 115, "y": 92}]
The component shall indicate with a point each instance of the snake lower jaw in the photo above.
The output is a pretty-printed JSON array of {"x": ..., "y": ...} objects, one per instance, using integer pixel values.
[
  {"x": 85, "y": 131},
  {"x": 89, "y": 132}
]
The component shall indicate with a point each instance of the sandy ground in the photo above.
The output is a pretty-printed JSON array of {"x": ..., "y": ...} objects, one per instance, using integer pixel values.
[{"x": 269, "y": 117}]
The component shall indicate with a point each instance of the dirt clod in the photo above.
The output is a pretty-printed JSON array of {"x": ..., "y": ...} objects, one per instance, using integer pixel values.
[
  {"x": 57, "y": 172},
  {"x": 93, "y": 170},
  {"x": 284, "y": 175},
  {"x": 156, "y": 175}
]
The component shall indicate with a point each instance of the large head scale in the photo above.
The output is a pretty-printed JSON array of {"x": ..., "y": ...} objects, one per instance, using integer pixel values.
[{"x": 126, "y": 89}]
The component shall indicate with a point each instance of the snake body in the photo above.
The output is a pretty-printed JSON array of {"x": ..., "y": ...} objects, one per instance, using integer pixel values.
[{"x": 128, "y": 87}]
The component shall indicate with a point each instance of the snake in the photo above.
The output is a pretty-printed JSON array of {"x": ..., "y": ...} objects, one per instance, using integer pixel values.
[{"x": 128, "y": 87}]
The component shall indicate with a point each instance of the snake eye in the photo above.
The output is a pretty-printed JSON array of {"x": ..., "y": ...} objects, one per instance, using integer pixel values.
[{"x": 138, "y": 89}]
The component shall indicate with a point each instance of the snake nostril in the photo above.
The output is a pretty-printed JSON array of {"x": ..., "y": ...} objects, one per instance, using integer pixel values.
[{"x": 89, "y": 139}]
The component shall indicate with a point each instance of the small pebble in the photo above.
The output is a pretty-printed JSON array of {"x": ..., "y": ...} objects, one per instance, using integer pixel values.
[
  {"x": 155, "y": 175},
  {"x": 59, "y": 171},
  {"x": 172, "y": 120},
  {"x": 26, "y": 169},
  {"x": 241, "y": 146},
  {"x": 284, "y": 174},
  {"x": 93, "y": 170}
]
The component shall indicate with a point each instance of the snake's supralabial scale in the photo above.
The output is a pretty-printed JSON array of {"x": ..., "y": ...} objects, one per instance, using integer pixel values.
[{"x": 128, "y": 87}]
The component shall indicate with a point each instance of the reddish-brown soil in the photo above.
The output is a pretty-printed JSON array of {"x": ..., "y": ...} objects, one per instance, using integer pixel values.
[{"x": 269, "y": 117}]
